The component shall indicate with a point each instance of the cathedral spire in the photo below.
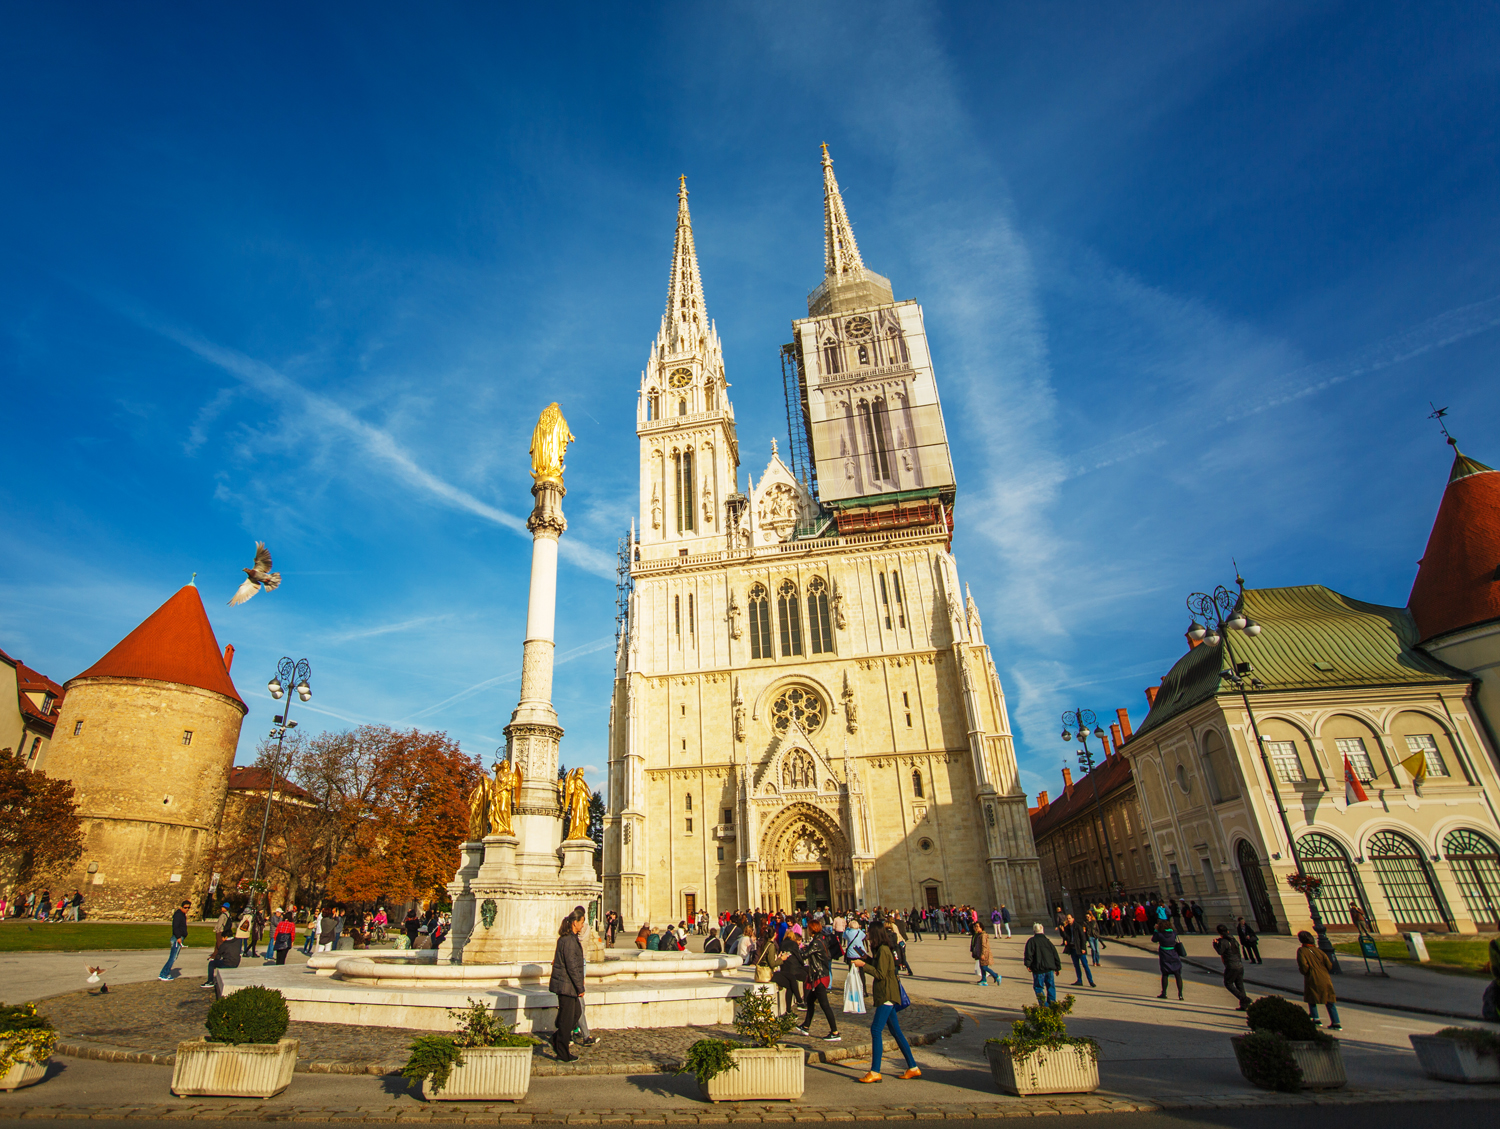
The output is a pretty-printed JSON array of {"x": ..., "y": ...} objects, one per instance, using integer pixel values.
[
  {"x": 841, "y": 261},
  {"x": 685, "y": 321}
]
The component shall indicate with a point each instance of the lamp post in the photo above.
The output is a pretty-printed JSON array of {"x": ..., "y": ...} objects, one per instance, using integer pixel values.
[
  {"x": 1082, "y": 720},
  {"x": 1216, "y": 616},
  {"x": 289, "y": 675}
]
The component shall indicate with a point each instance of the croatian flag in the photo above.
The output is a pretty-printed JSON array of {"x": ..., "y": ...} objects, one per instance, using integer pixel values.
[{"x": 1354, "y": 791}]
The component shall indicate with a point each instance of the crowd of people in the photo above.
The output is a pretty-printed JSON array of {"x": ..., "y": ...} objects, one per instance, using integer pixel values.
[{"x": 37, "y": 905}]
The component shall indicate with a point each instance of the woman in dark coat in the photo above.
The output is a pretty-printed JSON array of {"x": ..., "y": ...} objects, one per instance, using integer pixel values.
[
  {"x": 1169, "y": 957},
  {"x": 1317, "y": 983},
  {"x": 789, "y": 971},
  {"x": 1249, "y": 940},
  {"x": 817, "y": 963},
  {"x": 566, "y": 983}
]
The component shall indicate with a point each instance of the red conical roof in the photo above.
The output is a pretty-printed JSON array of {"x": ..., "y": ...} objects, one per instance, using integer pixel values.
[
  {"x": 174, "y": 644},
  {"x": 1458, "y": 579}
]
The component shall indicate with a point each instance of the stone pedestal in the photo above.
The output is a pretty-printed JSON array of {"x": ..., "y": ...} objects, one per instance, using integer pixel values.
[{"x": 461, "y": 894}]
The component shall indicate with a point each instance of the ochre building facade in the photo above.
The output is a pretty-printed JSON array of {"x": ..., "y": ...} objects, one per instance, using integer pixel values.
[{"x": 805, "y": 710}]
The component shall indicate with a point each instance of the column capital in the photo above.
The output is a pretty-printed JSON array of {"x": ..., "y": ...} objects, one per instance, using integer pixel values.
[{"x": 546, "y": 518}]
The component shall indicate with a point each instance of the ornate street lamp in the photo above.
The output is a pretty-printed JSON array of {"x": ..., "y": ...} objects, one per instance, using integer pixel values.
[
  {"x": 295, "y": 675},
  {"x": 1082, "y": 720},
  {"x": 1216, "y": 617}
]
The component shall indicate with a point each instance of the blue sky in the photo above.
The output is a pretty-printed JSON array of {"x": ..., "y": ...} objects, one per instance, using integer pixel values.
[{"x": 306, "y": 274}]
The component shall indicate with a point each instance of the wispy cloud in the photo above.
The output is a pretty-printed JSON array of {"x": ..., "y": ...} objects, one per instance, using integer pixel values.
[
  {"x": 385, "y": 629},
  {"x": 379, "y": 445},
  {"x": 511, "y": 676}
]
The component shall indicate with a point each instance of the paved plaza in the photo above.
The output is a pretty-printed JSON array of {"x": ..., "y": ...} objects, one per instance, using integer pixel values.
[{"x": 1155, "y": 1054}]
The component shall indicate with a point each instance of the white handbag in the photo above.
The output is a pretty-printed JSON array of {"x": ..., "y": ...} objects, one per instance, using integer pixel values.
[{"x": 854, "y": 992}]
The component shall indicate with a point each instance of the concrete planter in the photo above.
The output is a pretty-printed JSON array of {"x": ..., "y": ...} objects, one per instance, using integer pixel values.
[
  {"x": 1322, "y": 1064},
  {"x": 763, "y": 1074},
  {"x": 230, "y": 1070},
  {"x": 24, "y": 1073},
  {"x": 1067, "y": 1070},
  {"x": 489, "y": 1074},
  {"x": 1452, "y": 1061}
]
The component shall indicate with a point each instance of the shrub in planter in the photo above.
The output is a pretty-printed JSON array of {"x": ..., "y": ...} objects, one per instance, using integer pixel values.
[
  {"x": 1285, "y": 1051},
  {"x": 246, "y": 1054},
  {"x": 1459, "y": 1054},
  {"x": 438, "y": 1063},
  {"x": 764, "y": 1070},
  {"x": 26, "y": 1043},
  {"x": 1040, "y": 1057}
]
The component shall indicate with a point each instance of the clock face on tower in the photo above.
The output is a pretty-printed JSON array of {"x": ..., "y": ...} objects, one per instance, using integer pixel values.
[{"x": 680, "y": 378}]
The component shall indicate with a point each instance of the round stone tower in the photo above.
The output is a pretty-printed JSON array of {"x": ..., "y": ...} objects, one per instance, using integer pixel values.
[{"x": 147, "y": 736}]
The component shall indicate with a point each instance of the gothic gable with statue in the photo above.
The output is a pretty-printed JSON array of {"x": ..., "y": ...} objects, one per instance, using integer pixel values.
[{"x": 805, "y": 712}]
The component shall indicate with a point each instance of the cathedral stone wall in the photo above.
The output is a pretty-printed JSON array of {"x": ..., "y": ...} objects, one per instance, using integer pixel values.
[{"x": 149, "y": 803}]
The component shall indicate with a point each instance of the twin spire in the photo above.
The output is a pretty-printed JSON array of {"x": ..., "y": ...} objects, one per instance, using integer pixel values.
[
  {"x": 684, "y": 323},
  {"x": 841, "y": 261}
]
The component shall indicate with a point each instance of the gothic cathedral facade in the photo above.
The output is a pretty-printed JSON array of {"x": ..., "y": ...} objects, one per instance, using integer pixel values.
[{"x": 805, "y": 712}]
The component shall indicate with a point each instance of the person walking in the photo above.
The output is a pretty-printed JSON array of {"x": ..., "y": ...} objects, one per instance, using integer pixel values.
[
  {"x": 567, "y": 984},
  {"x": 1176, "y": 911},
  {"x": 243, "y": 931},
  {"x": 1091, "y": 927},
  {"x": 979, "y": 949},
  {"x": 817, "y": 978},
  {"x": 325, "y": 930},
  {"x": 1234, "y": 966},
  {"x": 1249, "y": 942},
  {"x": 1317, "y": 981},
  {"x": 1139, "y": 923},
  {"x": 1005, "y": 919},
  {"x": 885, "y": 993},
  {"x": 1075, "y": 944},
  {"x": 995, "y": 921},
  {"x": 281, "y": 940},
  {"x": 1200, "y": 917},
  {"x": 902, "y": 961},
  {"x": 1169, "y": 954},
  {"x": 179, "y": 938},
  {"x": 1041, "y": 960},
  {"x": 310, "y": 942}
]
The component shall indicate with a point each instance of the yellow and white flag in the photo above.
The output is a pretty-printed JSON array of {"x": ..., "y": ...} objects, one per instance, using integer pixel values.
[{"x": 1416, "y": 767}]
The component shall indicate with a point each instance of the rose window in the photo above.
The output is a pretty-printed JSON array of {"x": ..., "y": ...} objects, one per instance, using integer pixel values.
[{"x": 799, "y": 704}]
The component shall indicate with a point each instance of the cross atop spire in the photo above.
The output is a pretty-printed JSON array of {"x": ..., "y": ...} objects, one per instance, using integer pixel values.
[
  {"x": 685, "y": 322},
  {"x": 841, "y": 261}
]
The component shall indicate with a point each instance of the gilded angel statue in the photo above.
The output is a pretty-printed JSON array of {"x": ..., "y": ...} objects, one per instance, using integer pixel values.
[
  {"x": 575, "y": 796},
  {"x": 479, "y": 809},
  {"x": 503, "y": 794},
  {"x": 549, "y": 443}
]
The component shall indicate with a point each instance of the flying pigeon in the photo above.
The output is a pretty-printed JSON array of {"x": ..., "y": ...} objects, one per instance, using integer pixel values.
[
  {"x": 257, "y": 578},
  {"x": 94, "y": 977}
]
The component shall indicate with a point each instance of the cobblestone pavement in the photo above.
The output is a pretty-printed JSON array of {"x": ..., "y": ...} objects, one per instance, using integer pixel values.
[{"x": 145, "y": 1022}]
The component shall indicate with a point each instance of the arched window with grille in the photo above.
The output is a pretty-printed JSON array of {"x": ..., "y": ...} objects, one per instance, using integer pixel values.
[
  {"x": 1324, "y": 858},
  {"x": 897, "y": 352},
  {"x": 916, "y": 783},
  {"x": 1476, "y": 865},
  {"x": 760, "y": 623},
  {"x": 832, "y": 362},
  {"x": 790, "y": 615},
  {"x": 819, "y": 626},
  {"x": 682, "y": 470},
  {"x": 1405, "y": 880},
  {"x": 1255, "y": 886}
]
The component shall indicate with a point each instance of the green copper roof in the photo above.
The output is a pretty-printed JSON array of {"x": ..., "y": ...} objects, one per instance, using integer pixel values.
[
  {"x": 1463, "y": 466},
  {"x": 1312, "y": 638}
]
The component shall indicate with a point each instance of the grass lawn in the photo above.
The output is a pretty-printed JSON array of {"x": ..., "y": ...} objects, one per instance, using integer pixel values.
[
  {"x": 1471, "y": 957},
  {"x": 76, "y": 936}
]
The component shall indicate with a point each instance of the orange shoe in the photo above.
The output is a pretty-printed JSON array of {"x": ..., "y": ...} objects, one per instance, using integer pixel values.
[
  {"x": 914, "y": 1072},
  {"x": 871, "y": 1076}
]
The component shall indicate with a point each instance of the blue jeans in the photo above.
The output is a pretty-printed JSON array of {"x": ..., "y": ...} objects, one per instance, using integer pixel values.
[
  {"x": 1094, "y": 948},
  {"x": 1081, "y": 968},
  {"x": 1044, "y": 981},
  {"x": 307, "y": 945},
  {"x": 166, "y": 969},
  {"x": 1333, "y": 1012},
  {"x": 986, "y": 970},
  {"x": 886, "y": 1019}
]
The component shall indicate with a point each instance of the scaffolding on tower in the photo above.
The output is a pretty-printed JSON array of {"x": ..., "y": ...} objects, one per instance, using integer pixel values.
[
  {"x": 794, "y": 386},
  {"x": 624, "y": 582}
]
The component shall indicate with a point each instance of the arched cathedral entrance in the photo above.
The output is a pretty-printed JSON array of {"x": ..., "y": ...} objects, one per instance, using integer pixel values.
[{"x": 804, "y": 861}]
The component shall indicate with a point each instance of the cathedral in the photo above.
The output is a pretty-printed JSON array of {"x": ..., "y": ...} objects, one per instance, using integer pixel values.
[{"x": 805, "y": 713}]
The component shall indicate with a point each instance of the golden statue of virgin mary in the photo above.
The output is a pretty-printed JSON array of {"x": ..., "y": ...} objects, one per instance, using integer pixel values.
[{"x": 549, "y": 443}]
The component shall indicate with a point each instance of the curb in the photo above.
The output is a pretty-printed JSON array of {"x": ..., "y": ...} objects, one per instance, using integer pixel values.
[
  {"x": 232, "y": 1110},
  {"x": 1413, "y": 1008},
  {"x": 540, "y": 1068}
]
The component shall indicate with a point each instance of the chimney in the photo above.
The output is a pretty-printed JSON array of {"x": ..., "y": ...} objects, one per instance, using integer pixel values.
[
  {"x": 1041, "y": 799},
  {"x": 1191, "y": 641},
  {"x": 1108, "y": 752},
  {"x": 1124, "y": 715},
  {"x": 1115, "y": 729},
  {"x": 228, "y": 656},
  {"x": 1151, "y": 697},
  {"x": 1067, "y": 781}
]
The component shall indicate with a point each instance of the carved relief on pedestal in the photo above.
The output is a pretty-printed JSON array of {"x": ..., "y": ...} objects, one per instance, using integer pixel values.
[{"x": 778, "y": 510}]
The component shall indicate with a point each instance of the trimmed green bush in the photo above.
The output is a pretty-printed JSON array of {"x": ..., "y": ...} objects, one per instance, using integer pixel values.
[
  {"x": 1477, "y": 1039},
  {"x": 708, "y": 1058},
  {"x": 1278, "y": 1014},
  {"x": 251, "y": 1015}
]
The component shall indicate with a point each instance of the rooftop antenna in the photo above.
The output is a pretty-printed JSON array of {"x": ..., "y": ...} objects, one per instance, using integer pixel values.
[{"x": 1438, "y": 414}]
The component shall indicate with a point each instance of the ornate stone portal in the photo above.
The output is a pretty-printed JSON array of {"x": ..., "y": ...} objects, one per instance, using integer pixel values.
[{"x": 517, "y": 877}]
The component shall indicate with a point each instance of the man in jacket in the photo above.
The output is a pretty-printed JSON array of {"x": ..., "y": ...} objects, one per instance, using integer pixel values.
[
  {"x": 1041, "y": 960},
  {"x": 1076, "y": 945},
  {"x": 1234, "y": 966},
  {"x": 226, "y": 955},
  {"x": 179, "y": 938},
  {"x": 567, "y": 984},
  {"x": 979, "y": 949}
]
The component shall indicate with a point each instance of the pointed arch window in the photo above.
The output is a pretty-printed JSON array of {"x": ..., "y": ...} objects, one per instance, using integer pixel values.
[
  {"x": 708, "y": 397},
  {"x": 760, "y": 623},
  {"x": 898, "y": 352},
  {"x": 881, "y": 422},
  {"x": 791, "y": 619},
  {"x": 832, "y": 362},
  {"x": 653, "y": 406},
  {"x": 916, "y": 783},
  {"x": 682, "y": 469},
  {"x": 819, "y": 627}
]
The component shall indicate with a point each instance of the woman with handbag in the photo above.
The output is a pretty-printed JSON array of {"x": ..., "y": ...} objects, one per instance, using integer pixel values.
[
  {"x": 890, "y": 998},
  {"x": 818, "y": 978},
  {"x": 790, "y": 969}
]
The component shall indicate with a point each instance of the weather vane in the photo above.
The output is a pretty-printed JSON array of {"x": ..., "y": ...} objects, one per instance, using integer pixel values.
[{"x": 1438, "y": 414}]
